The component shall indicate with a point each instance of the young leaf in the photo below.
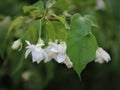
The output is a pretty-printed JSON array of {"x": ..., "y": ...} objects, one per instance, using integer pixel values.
[
  {"x": 60, "y": 32},
  {"x": 32, "y": 31},
  {"x": 54, "y": 30},
  {"x": 50, "y": 3},
  {"x": 18, "y": 21},
  {"x": 62, "y": 20},
  {"x": 34, "y": 9},
  {"x": 49, "y": 31},
  {"x": 92, "y": 20}
]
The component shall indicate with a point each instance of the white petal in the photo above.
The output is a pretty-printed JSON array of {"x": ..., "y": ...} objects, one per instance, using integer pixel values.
[
  {"x": 105, "y": 56},
  {"x": 37, "y": 56},
  {"x": 99, "y": 60},
  {"x": 40, "y": 59},
  {"x": 60, "y": 58},
  {"x": 102, "y": 56},
  {"x": 27, "y": 42},
  {"x": 20, "y": 47},
  {"x": 27, "y": 53},
  {"x": 56, "y": 51},
  {"x": 62, "y": 47},
  {"x": 53, "y": 49},
  {"x": 68, "y": 63},
  {"x": 50, "y": 55},
  {"x": 45, "y": 55}
]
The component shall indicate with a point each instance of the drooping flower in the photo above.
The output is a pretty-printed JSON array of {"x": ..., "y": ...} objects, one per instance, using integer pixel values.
[
  {"x": 17, "y": 45},
  {"x": 102, "y": 56},
  {"x": 58, "y": 52},
  {"x": 38, "y": 54}
]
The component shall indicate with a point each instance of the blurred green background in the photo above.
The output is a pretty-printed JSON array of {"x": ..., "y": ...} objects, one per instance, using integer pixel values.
[{"x": 16, "y": 73}]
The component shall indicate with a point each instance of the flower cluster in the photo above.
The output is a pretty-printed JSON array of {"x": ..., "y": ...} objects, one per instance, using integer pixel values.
[
  {"x": 52, "y": 51},
  {"x": 102, "y": 56},
  {"x": 56, "y": 51}
]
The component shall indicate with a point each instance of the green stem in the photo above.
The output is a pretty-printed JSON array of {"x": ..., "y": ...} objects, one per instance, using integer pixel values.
[{"x": 40, "y": 28}]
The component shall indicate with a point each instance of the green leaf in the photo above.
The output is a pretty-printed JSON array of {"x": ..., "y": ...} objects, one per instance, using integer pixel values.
[
  {"x": 81, "y": 43},
  {"x": 53, "y": 31},
  {"x": 32, "y": 31},
  {"x": 17, "y": 22},
  {"x": 81, "y": 51},
  {"x": 92, "y": 20},
  {"x": 49, "y": 32},
  {"x": 62, "y": 20},
  {"x": 80, "y": 25},
  {"x": 35, "y": 9},
  {"x": 60, "y": 32},
  {"x": 50, "y": 3}
]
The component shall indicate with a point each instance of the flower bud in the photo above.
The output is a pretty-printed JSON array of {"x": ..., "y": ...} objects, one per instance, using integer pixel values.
[
  {"x": 102, "y": 56},
  {"x": 17, "y": 45}
]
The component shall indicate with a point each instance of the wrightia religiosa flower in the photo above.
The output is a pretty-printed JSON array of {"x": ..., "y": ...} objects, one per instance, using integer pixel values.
[
  {"x": 17, "y": 45},
  {"x": 102, "y": 56},
  {"x": 38, "y": 54},
  {"x": 58, "y": 52}
]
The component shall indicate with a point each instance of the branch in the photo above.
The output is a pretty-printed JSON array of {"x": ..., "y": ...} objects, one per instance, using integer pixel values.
[{"x": 54, "y": 19}]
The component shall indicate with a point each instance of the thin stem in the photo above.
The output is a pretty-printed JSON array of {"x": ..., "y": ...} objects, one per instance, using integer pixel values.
[
  {"x": 54, "y": 19},
  {"x": 40, "y": 28}
]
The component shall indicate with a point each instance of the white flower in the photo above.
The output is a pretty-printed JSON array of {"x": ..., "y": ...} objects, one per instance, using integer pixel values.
[
  {"x": 58, "y": 52},
  {"x": 38, "y": 54},
  {"x": 17, "y": 45},
  {"x": 102, "y": 56},
  {"x": 100, "y": 5}
]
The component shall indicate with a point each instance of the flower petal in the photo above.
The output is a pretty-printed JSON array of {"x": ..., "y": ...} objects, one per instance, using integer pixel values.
[
  {"x": 60, "y": 58},
  {"x": 37, "y": 56},
  {"x": 53, "y": 49},
  {"x": 45, "y": 56},
  {"x": 105, "y": 56},
  {"x": 102, "y": 56},
  {"x": 27, "y": 53},
  {"x": 27, "y": 42},
  {"x": 100, "y": 60},
  {"x": 68, "y": 63}
]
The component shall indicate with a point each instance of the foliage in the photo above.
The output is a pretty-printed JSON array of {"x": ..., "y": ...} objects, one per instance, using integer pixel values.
[{"x": 79, "y": 31}]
